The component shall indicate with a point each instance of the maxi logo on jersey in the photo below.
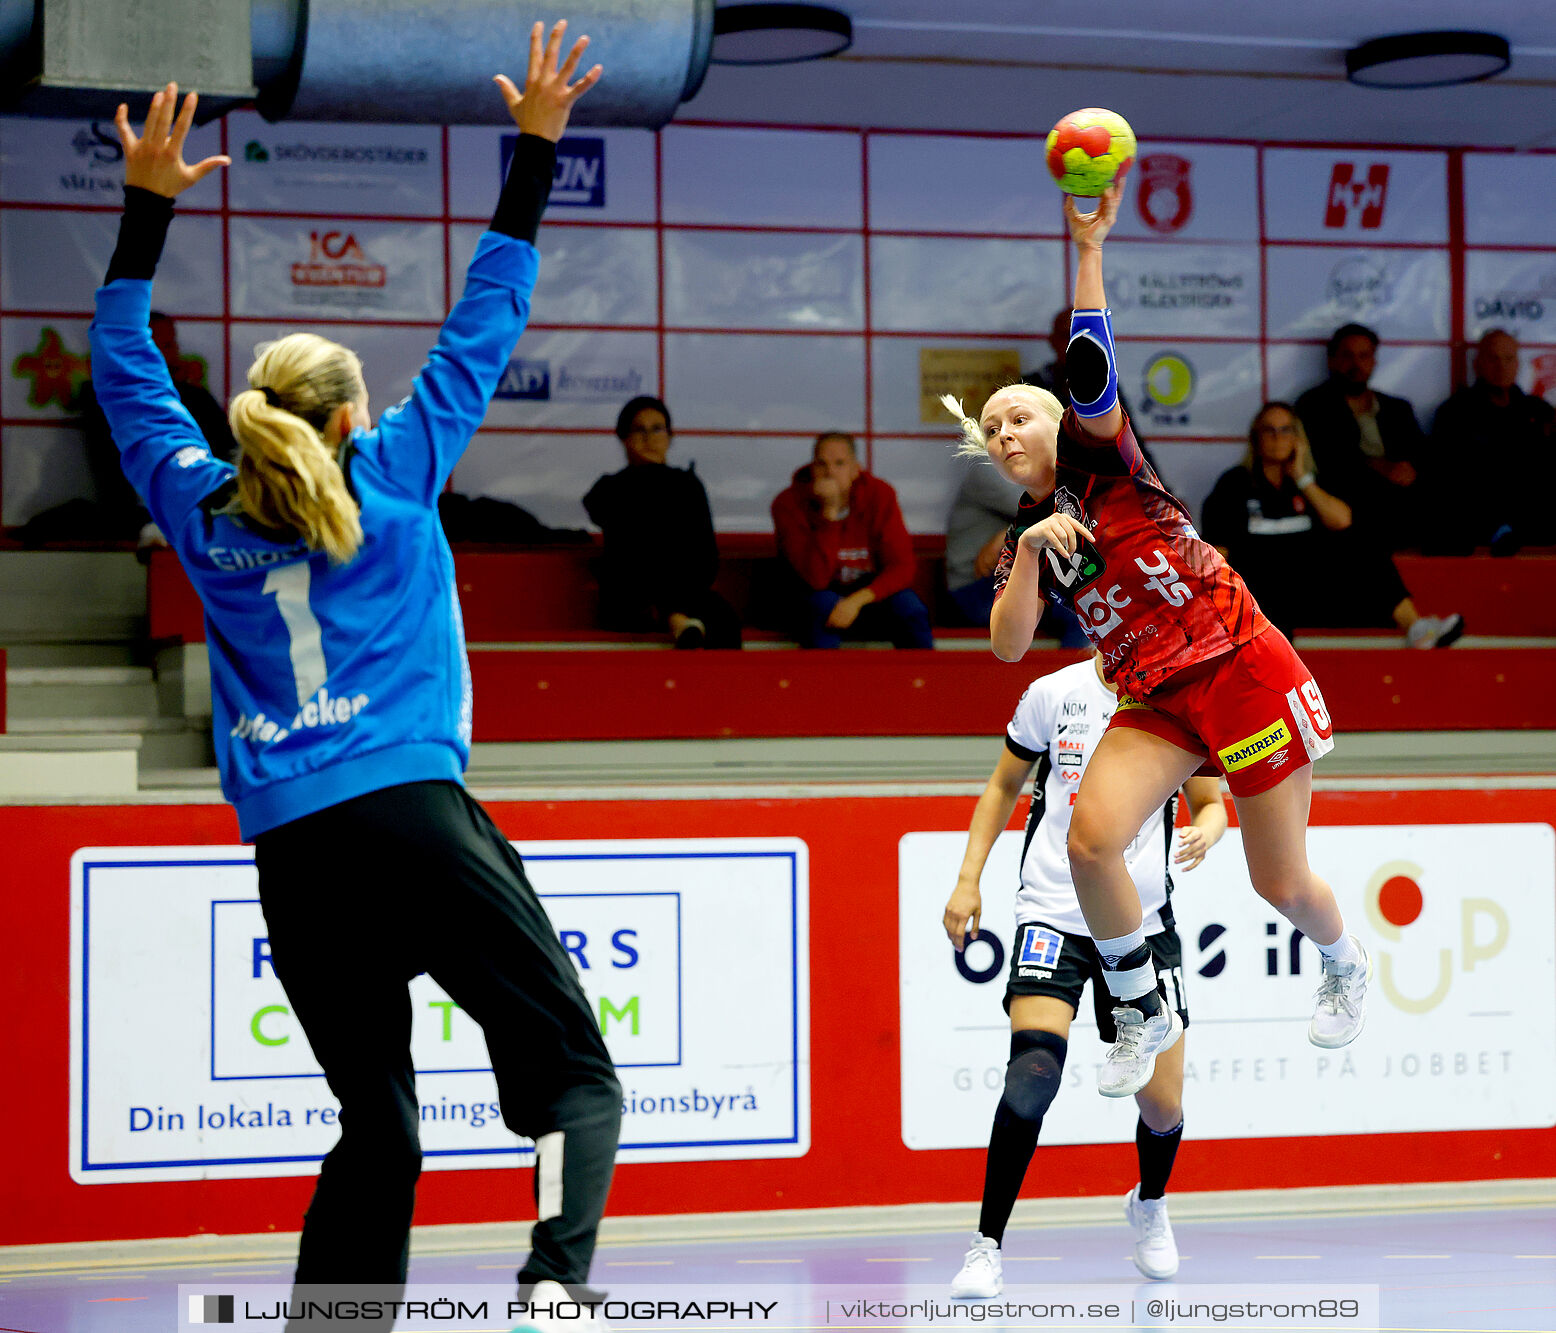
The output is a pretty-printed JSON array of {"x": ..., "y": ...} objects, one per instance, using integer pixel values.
[{"x": 1070, "y": 756}]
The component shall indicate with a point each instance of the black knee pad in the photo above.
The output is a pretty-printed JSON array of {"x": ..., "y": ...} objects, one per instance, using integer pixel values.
[{"x": 1032, "y": 1076}]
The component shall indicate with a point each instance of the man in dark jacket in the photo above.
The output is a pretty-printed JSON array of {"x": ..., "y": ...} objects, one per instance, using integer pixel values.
[
  {"x": 1494, "y": 446},
  {"x": 1367, "y": 444},
  {"x": 660, "y": 553}
]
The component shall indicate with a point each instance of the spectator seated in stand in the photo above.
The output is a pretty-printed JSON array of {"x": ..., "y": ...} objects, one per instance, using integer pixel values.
[
  {"x": 660, "y": 560},
  {"x": 841, "y": 534},
  {"x": 984, "y": 508},
  {"x": 1295, "y": 545},
  {"x": 1367, "y": 444},
  {"x": 1502, "y": 441}
]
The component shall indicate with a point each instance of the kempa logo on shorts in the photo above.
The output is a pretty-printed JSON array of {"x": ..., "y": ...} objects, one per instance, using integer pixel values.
[{"x": 1255, "y": 747}]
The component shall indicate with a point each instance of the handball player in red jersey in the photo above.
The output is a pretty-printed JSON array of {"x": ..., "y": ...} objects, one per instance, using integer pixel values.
[{"x": 1205, "y": 682}]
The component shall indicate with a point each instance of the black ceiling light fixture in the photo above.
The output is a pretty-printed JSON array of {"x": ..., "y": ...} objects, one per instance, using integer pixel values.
[
  {"x": 1427, "y": 59},
  {"x": 778, "y": 34}
]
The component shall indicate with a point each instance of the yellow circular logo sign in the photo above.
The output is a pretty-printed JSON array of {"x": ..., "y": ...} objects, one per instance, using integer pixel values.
[{"x": 1169, "y": 380}]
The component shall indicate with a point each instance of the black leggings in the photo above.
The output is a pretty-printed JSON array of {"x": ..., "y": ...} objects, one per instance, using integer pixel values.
[{"x": 361, "y": 897}]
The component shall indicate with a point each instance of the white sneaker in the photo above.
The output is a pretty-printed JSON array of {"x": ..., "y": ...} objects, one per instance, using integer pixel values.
[
  {"x": 1435, "y": 631},
  {"x": 1129, "y": 1061},
  {"x": 1156, "y": 1252},
  {"x": 1340, "y": 1013},
  {"x": 981, "y": 1273},
  {"x": 552, "y": 1310}
]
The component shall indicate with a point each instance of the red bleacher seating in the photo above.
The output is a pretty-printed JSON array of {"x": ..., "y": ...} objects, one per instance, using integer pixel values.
[
  {"x": 532, "y": 597},
  {"x": 1495, "y": 596}
]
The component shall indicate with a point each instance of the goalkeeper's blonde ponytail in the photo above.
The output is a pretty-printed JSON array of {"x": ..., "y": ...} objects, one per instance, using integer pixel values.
[{"x": 287, "y": 476}]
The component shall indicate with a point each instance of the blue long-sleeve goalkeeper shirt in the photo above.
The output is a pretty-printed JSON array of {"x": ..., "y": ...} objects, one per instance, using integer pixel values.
[{"x": 327, "y": 681}]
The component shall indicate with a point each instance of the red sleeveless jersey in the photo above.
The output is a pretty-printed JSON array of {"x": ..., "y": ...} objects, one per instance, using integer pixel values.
[{"x": 1153, "y": 596}]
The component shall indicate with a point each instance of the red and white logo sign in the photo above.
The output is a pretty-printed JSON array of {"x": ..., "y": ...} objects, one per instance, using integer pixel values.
[
  {"x": 1357, "y": 197},
  {"x": 1164, "y": 197},
  {"x": 1544, "y": 367},
  {"x": 336, "y": 260}
]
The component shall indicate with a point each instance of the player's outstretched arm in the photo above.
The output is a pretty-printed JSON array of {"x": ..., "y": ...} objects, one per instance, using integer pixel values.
[
  {"x": 130, "y": 379},
  {"x": 424, "y": 437},
  {"x": 1090, "y": 364},
  {"x": 993, "y": 812}
]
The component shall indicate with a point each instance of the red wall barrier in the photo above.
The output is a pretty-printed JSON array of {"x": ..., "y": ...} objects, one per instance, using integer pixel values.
[
  {"x": 558, "y": 695},
  {"x": 857, "y": 1154}
]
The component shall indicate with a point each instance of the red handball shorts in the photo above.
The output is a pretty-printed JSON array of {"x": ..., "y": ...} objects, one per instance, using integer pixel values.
[{"x": 1255, "y": 713}]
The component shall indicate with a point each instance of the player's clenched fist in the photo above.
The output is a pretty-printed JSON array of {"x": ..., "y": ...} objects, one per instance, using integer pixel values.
[{"x": 1059, "y": 531}]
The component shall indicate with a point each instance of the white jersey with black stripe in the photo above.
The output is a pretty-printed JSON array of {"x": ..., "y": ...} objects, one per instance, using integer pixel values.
[{"x": 1057, "y": 724}]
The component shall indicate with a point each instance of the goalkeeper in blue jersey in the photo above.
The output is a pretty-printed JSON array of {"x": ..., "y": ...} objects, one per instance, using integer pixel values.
[{"x": 341, "y": 695}]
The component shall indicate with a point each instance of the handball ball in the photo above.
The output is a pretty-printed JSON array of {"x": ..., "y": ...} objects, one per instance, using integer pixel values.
[{"x": 1088, "y": 149}]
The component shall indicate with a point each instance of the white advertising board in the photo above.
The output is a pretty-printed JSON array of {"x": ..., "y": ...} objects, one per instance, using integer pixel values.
[
  {"x": 1401, "y": 293},
  {"x": 55, "y": 260},
  {"x": 1190, "y": 389},
  {"x": 576, "y": 377},
  {"x": 186, "y": 1061},
  {"x": 1461, "y": 1021},
  {"x": 762, "y": 178},
  {"x": 763, "y": 280},
  {"x": 49, "y": 359},
  {"x": 588, "y": 275},
  {"x": 1192, "y": 192},
  {"x": 1356, "y": 195},
  {"x": 1507, "y": 198},
  {"x": 601, "y": 175},
  {"x": 953, "y": 284},
  {"x": 339, "y": 269},
  {"x": 1202, "y": 291},
  {"x": 947, "y": 183},
  {"x": 747, "y": 381},
  {"x": 1513, "y": 290},
  {"x": 310, "y": 167},
  {"x": 45, "y": 161}
]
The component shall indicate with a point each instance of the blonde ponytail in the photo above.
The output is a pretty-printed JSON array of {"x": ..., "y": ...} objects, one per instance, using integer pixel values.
[
  {"x": 287, "y": 476},
  {"x": 974, "y": 444}
]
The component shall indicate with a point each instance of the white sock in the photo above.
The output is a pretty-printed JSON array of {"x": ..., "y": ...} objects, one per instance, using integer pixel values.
[
  {"x": 1133, "y": 982},
  {"x": 1114, "y": 949},
  {"x": 1343, "y": 950}
]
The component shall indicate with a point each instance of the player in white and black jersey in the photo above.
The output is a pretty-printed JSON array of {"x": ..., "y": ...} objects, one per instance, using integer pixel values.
[{"x": 1056, "y": 728}]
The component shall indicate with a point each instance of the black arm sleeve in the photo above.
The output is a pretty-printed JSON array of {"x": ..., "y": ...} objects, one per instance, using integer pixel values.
[
  {"x": 527, "y": 188},
  {"x": 142, "y": 231}
]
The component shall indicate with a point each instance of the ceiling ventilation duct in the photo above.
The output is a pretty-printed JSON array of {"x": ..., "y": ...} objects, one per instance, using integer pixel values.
[{"x": 406, "y": 61}]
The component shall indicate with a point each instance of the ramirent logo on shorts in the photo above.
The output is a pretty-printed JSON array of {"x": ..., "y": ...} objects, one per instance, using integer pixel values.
[
  {"x": 323, "y": 710},
  {"x": 1255, "y": 747}
]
